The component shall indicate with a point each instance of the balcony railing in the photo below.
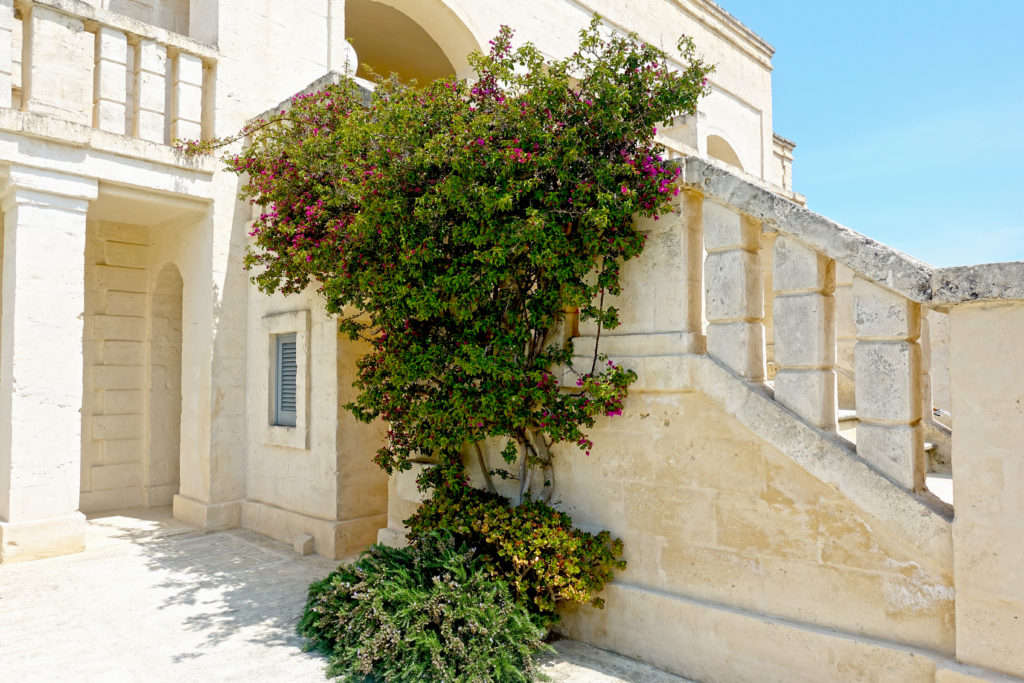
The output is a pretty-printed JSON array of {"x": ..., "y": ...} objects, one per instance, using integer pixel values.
[{"x": 70, "y": 60}]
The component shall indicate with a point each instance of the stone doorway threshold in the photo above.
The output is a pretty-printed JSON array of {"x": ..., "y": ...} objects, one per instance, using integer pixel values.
[{"x": 154, "y": 599}]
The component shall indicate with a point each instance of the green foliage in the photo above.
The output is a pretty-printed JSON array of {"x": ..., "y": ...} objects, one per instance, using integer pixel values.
[
  {"x": 455, "y": 225},
  {"x": 533, "y": 546},
  {"x": 429, "y": 612}
]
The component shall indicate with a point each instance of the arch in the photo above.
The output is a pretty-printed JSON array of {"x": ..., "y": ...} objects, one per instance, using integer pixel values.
[
  {"x": 719, "y": 148},
  {"x": 163, "y": 452},
  {"x": 421, "y": 39}
]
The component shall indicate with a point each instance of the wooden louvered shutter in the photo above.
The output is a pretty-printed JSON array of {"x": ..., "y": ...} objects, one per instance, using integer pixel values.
[{"x": 287, "y": 370}]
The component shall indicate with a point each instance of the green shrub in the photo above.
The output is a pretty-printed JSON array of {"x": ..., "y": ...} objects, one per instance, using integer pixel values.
[
  {"x": 429, "y": 612},
  {"x": 532, "y": 546},
  {"x": 456, "y": 225}
]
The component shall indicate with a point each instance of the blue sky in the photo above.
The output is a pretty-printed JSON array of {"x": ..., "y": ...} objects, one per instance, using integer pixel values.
[{"x": 908, "y": 117}]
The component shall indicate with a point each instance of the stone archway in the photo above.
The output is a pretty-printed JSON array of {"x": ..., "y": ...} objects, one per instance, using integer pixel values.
[
  {"x": 418, "y": 39},
  {"x": 163, "y": 449}
]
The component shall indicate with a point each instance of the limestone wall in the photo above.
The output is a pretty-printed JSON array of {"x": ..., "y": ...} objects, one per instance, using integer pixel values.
[
  {"x": 713, "y": 516},
  {"x": 316, "y": 478},
  {"x": 988, "y": 471},
  {"x": 115, "y": 357},
  {"x": 163, "y": 454}
]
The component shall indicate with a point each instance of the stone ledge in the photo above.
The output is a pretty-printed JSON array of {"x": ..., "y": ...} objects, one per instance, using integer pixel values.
[
  {"x": 334, "y": 539},
  {"x": 208, "y": 516},
  {"x": 712, "y": 642},
  {"x": 904, "y": 274},
  {"x": 973, "y": 283},
  {"x": 55, "y": 129},
  {"x": 38, "y": 539}
]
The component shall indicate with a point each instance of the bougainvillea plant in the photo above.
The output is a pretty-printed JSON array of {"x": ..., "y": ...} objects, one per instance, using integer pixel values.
[{"x": 459, "y": 225}]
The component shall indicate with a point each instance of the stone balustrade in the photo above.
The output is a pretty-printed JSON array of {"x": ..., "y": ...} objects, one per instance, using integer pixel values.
[
  {"x": 753, "y": 236},
  {"x": 92, "y": 67},
  {"x": 888, "y": 371},
  {"x": 804, "y": 332},
  {"x": 820, "y": 316}
]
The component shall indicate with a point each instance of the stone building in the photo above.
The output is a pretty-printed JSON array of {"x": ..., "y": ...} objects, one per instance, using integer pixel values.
[{"x": 774, "y": 476}]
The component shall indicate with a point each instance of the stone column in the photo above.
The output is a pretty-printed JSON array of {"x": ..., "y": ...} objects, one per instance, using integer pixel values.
[
  {"x": 150, "y": 91},
  {"x": 887, "y": 368},
  {"x": 110, "y": 112},
  {"x": 213, "y": 347},
  {"x": 187, "y": 98},
  {"x": 734, "y": 291},
  {"x": 41, "y": 363},
  {"x": 987, "y": 388},
  {"x": 805, "y": 332},
  {"x": 59, "y": 58}
]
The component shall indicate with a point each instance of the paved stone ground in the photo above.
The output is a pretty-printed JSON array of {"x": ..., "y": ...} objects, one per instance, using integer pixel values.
[{"x": 152, "y": 599}]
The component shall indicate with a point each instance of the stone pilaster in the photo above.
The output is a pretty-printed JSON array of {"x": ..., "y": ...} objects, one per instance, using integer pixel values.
[
  {"x": 734, "y": 291},
  {"x": 988, "y": 468},
  {"x": 660, "y": 305},
  {"x": 804, "y": 322},
  {"x": 887, "y": 367},
  {"x": 41, "y": 335}
]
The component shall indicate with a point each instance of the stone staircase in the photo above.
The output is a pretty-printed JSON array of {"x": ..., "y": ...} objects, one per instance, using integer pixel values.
[{"x": 745, "y": 282}]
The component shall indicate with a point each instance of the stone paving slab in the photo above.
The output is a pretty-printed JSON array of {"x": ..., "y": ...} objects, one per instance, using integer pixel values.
[{"x": 152, "y": 599}]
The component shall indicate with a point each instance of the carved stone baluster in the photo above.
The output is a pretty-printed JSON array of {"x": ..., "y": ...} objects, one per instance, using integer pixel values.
[
  {"x": 187, "y": 98},
  {"x": 804, "y": 327},
  {"x": 887, "y": 362},
  {"x": 734, "y": 291},
  {"x": 111, "y": 94},
  {"x": 150, "y": 91}
]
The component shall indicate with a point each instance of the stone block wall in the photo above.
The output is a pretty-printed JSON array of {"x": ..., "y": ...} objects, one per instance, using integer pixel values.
[
  {"x": 172, "y": 15},
  {"x": 115, "y": 358},
  {"x": 162, "y": 470},
  {"x": 316, "y": 478},
  {"x": 709, "y": 512}
]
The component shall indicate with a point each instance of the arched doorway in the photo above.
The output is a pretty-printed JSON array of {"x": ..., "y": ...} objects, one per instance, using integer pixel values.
[{"x": 162, "y": 465}]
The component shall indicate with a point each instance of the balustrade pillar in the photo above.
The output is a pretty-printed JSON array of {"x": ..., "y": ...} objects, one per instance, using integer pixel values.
[
  {"x": 59, "y": 59},
  {"x": 41, "y": 335},
  {"x": 804, "y": 332},
  {"x": 6, "y": 54},
  {"x": 734, "y": 291},
  {"x": 110, "y": 112},
  {"x": 187, "y": 98},
  {"x": 887, "y": 367},
  {"x": 150, "y": 91}
]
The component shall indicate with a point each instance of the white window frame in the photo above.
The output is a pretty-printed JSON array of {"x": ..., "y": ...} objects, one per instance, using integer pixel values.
[{"x": 275, "y": 327}]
